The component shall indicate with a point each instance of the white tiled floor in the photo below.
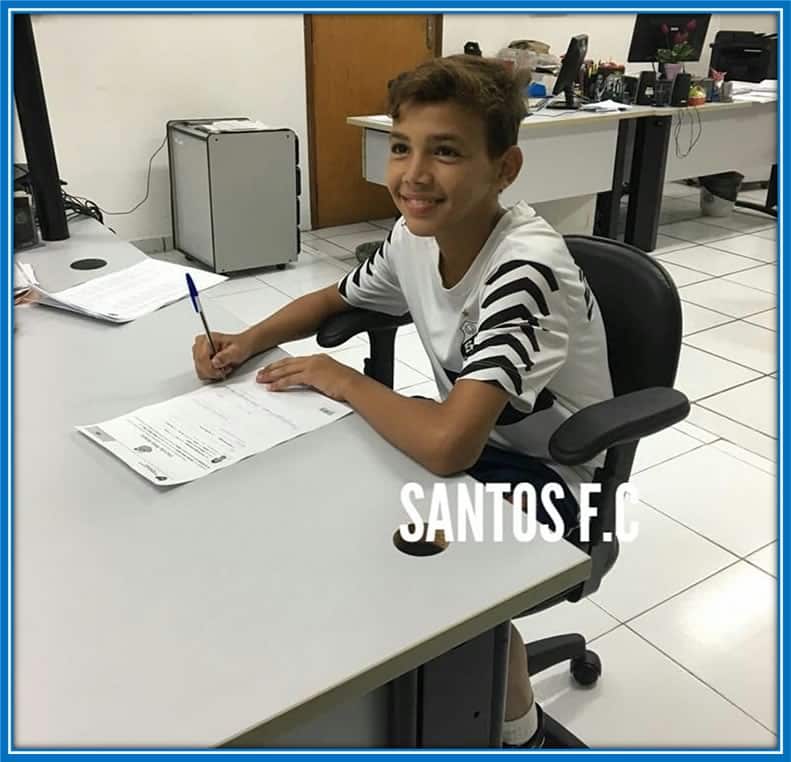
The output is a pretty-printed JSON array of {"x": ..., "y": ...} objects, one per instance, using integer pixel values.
[{"x": 685, "y": 622}]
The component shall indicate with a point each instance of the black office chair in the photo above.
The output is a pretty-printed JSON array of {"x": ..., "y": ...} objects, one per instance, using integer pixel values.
[{"x": 642, "y": 316}]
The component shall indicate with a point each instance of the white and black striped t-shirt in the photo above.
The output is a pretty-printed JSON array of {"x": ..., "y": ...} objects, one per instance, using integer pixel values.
[{"x": 522, "y": 317}]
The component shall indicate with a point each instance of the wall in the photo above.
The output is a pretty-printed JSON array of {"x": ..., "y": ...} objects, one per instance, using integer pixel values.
[
  {"x": 609, "y": 34},
  {"x": 113, "y": 81}
]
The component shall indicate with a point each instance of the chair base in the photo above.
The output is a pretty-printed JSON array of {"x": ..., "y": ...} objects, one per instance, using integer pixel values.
[{"x": 585, "y": 668}]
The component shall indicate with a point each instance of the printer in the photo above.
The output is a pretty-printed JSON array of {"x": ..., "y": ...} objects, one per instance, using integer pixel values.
[{"x": 234, "y": 192}]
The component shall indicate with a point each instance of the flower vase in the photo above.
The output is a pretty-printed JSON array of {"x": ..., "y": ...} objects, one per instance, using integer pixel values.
[{"x": 671, "y": 69}]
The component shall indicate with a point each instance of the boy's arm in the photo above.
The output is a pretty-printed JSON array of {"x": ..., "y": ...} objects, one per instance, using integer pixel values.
[
  {"x": 296, "y": 320},
  {"x": 445, "y": 438}
]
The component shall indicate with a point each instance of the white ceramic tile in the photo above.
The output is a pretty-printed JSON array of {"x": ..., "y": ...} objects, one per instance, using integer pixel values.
[
  {"x": 328, "y": 248},
  {"x": 763, "y": 277},
  {"x": 766, "y": 465},
  {"x": 386, "y": 224},
  {"x": 357, "y": 227},
  {"x": 310, "y": 346},
  {"x": 695, "y": 318},
  {"x": 701, "y": 374},
  {"x": 642, "y": 576},
  {"x": 426, "y": 389},
  {"x": 723, "y": 630},
  {"x": 303, "y": 278},
  {"x": 234, "y": 285},
  {"x": 753, "y": 404},
  {"x": 645, "y": 700},
  {"x": 722, "y": 498},
  {"x": 770, "y": 234},
  {"x": 683, "y": 276},
  {"x": 739, "y": 342},
  {"x": 731, "y": 431},
  {"x": 583, "y": 617},
  {"x": 666, "y": 244},
  {"x": 753, "y": 246},
  {"x": 708, "y": 260},
  {"x": 306, "y": 236},
  {"x": 744, "y": 221},
  {"x": 404, "y": 376},
  {"x": 679, "y": 190},
  {"x": 409, "y": 349},
  {"x": 765, "y": 559},
  {"x": 250, "y": 306},
  {"x": 694, "y": 231},
  {"x": 729, "y": 298},
  {"x": 351, "y": 241},
  {"x": 685, "y": 427},
  {"x": 766, "y": 319},
  {"x": 662, "y": 446}
]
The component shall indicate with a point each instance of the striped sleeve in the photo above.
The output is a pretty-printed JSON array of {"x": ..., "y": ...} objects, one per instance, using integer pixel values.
[
  {"x": 374, "y": 284},
  {"x": 522, "y": 335}
]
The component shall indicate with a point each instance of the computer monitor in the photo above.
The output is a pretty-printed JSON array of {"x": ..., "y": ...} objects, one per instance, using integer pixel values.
[
  {"x": 570, "y": 71},
  {"x": 655, "y": 31}
]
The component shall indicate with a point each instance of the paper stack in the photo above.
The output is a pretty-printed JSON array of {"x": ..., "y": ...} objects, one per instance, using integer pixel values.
[
  {"x": 757, "y": 92},
  {"x": 128, "y": 294}
]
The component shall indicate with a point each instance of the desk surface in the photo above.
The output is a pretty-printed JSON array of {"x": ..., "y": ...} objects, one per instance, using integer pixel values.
[
  {"x": 576, "y": 118},
  {"x": 263, "y": 593}
]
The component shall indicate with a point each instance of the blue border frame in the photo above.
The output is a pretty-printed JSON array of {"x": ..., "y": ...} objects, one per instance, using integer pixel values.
[{"x": 362, "y": 6}]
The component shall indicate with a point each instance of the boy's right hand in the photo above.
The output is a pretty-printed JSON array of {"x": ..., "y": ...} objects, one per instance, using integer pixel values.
[{"x": 232, "y": 351}]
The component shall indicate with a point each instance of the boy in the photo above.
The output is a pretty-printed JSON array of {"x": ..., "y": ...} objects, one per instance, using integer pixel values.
[{"x": 515, "y": 339}]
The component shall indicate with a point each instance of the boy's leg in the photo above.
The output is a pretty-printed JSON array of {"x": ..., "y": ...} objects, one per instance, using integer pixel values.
[{"x": 523, "y": 725}]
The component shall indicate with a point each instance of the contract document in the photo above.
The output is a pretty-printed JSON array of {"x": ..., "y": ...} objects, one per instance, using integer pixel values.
[{"x": 192, "y": 435}]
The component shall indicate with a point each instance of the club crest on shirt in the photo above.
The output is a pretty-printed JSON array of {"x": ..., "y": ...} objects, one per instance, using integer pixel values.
[{"x": 469, "y": 329}]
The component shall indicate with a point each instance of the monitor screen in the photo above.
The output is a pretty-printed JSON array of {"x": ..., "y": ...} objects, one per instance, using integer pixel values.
[{"x": 656, "y": 31}]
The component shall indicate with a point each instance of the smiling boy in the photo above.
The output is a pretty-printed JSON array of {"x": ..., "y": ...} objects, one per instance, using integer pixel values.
[{"x": 514, "y": 336}]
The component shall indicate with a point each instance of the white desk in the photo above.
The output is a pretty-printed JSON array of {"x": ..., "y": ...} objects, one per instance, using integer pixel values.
[
  {"x": 568, "y": 159},
  {"x": 257, "y": 597},
  {"x": 571, "y": 157}
]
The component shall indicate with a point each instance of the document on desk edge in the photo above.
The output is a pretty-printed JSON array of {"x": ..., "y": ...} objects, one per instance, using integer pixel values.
[
  {"x": 195, "y": 434},
  {"x": 128, "y": 294}
]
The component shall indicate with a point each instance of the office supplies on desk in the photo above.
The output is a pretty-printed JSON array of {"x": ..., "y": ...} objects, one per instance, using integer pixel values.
[
  {"x": 189, "y": 436},
  {"x": 130, "y": 293}
]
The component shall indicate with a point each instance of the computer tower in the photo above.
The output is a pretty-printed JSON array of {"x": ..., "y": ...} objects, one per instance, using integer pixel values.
[
  {"x": 645, "y": 88},
  {"x": 234, "y": 193}
]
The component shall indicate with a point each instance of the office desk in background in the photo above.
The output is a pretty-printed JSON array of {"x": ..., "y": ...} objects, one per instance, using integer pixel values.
[
  {"x": 262, "y": 605},
  {"x": 568, "y": 160},
  {"x": 573, "y": 157}
]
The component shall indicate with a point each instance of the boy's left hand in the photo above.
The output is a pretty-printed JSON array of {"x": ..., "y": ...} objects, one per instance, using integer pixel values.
[{"x": 318, "y": 371}]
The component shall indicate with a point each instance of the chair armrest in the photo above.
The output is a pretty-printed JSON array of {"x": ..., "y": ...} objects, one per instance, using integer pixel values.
[
  {"x": 339, "y": 328},
  {"x": 622, "y": 419}
]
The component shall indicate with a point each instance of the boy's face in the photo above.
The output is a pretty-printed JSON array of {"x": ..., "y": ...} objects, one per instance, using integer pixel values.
[{"x": 440, "y": 174}]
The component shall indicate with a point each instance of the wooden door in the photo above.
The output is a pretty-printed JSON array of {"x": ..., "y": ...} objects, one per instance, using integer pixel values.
[{"x": 349, "y": 61}]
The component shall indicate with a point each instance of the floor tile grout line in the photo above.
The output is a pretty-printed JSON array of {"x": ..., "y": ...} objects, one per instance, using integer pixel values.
[
  {"x": 727, "y": 359},
  {"x": 701, "y": 680},
  {"x": 755, "y": 264},
  {"x": 772, "y": 473},
  {"x": 695, "y": 531},
  {"x": 705, "y": 578},
  {"x": 672, "y": 457},
  {"x": 733, "y": 420}
]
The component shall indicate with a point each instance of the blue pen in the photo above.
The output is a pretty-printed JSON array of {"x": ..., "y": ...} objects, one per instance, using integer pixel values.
[{"x": 197, "y": 305}]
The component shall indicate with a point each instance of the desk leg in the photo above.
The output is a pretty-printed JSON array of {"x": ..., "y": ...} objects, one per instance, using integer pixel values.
[
  {"x": 608, "y": 204},
  {"x": 647, "y": 181},
  {"x": 456, "y": 700}
]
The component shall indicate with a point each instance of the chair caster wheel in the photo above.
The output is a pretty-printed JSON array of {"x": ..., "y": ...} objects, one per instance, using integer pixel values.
[
  {"x": 281, "y": 267},
  {"x": 586, "y": 669}
]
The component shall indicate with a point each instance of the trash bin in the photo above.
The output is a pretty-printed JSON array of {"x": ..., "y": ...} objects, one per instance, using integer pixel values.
[{"x": 718, "y": 193}]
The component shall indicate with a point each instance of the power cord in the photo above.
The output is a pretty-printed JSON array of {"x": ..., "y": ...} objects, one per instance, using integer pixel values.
[
  {"x": 148, "y": 183},
  {"x": 693, "y": 137}
]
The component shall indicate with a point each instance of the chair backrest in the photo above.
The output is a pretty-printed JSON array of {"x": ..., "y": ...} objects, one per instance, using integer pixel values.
[
  {"x": 640, "y": 307},
  {"x": 642, "y": 317}
]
